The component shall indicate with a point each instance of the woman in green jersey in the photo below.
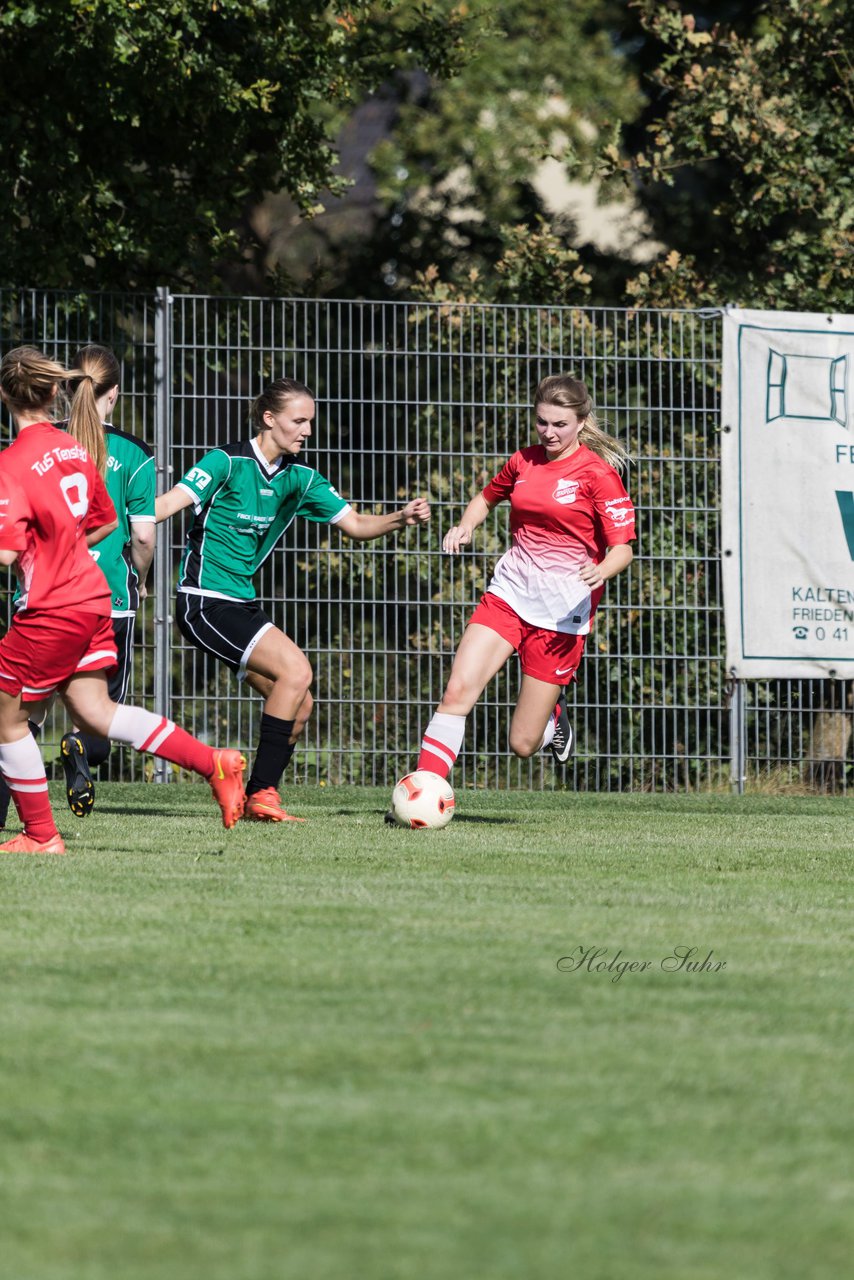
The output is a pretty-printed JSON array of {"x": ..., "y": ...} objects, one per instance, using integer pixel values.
[
  {"x": 124, "y": 557},
  {"x": 245, "y": 495}
]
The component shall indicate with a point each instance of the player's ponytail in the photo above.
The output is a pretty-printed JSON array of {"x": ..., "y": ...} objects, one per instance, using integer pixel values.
[
  {"x": 567, "y": 392},
  {"x": 96, "y": 370},
  {"x": 29, "y": 381}
]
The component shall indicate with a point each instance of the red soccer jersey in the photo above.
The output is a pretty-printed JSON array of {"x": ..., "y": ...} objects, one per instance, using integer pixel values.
[
  {"x": 562, "y": 514},
  {"x": 51, "y": 496}
]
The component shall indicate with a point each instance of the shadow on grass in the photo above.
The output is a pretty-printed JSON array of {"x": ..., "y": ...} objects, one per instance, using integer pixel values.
[
  {"x": 458, "y": 818},
  {"x": 135, "y": 810}
]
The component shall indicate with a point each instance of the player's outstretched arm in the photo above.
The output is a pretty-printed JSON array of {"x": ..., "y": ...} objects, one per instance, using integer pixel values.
[
  {"x": 169, "y": 503},
  {"x": 459, "y": 535},
  {"x": 364, "y": 528}
]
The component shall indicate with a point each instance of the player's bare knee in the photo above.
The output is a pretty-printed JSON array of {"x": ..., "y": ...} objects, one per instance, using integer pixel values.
[
  {"x": 523, "y": 746},
  {"x": 458, "y": 698},
  {"x": 296, "y": 679}
]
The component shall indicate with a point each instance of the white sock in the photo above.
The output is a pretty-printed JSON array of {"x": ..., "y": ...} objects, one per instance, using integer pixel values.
[
  {"x": 22, "y": 765},
  {"x": 441, "y": 743},
  {"x": 140, "y": 728},
  {"x": 549, "y": 733}
]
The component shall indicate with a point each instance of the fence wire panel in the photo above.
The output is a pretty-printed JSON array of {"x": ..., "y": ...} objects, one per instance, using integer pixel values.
[{"x": 430, "y": 399}]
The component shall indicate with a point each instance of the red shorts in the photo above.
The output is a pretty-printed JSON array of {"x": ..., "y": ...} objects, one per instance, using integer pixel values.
[
  {"x": 552, "y": 656},
  {"x": 42, "y": 650}
]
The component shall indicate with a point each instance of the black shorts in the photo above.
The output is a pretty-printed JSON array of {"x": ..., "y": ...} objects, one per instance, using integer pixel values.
[
  {"x": 226, "y": 629},
  {"x": 118, "y": 682}
]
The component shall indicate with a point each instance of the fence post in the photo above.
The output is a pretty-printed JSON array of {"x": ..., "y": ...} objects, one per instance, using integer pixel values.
[
  {"x": 162, "y": 556},
  {"x": 737, "y": 736}
]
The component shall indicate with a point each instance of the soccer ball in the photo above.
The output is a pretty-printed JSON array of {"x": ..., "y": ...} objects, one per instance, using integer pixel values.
[{"x": 422, "y": 799}]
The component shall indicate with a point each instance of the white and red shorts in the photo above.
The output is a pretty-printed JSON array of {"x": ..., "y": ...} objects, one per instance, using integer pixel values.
[
  {"x": 552, "y": 656},
  {"x": 42, "y": 650}
]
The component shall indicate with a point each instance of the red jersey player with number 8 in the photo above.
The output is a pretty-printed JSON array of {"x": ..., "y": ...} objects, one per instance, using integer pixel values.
[{"x": 53, "y": 503}]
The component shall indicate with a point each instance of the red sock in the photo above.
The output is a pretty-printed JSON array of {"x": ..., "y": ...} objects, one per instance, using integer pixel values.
[
  {"x": 23, "y": 769},
  {"x": 441, "y": 743},
  {"x": 147, "y": 731}
]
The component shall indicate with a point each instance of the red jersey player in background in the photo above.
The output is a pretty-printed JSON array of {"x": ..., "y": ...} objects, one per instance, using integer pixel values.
[
  {"x": 53, "y": 503},
  {"x": 571, "y": 522}
]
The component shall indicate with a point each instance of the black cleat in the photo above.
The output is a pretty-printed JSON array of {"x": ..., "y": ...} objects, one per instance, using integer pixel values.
[
  {"x": 79, "y": 787},
  {"x": 562, "y": 743}
]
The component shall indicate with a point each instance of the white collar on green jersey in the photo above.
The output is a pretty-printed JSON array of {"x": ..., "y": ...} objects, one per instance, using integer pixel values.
[{"x": 270, "y": 467}]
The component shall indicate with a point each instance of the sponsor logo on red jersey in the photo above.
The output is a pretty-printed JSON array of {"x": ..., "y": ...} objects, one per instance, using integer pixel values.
[{"x": 566, "y": 491}]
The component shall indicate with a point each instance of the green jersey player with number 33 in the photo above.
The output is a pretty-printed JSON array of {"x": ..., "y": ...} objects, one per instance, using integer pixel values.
[{"x": 244, "y": 496}]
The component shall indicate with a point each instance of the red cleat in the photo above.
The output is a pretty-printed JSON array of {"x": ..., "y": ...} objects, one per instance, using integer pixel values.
[
  {"x": 265, "y": 806},
  {"x": 26, "y": 844},
  {"x": 227, "y": 785}
]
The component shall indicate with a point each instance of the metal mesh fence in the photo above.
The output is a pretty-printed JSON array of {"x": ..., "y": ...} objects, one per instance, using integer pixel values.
[{"x": 430, "y": 399}]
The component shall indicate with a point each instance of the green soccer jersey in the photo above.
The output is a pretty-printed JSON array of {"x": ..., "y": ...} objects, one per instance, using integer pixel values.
[
  {"x": 131, "y": 483},
  {"x": 243, "y": 505}
]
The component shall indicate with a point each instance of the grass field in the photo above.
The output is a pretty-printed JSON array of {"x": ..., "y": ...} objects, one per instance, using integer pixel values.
[{"x": 343, "y": 1050}]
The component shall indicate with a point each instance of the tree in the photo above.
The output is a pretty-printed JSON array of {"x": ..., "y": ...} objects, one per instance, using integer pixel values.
[
  {"x": 461, "y": 165},
  {"x": 134, "y": 137},
  {"x": 747, "y": 167}
]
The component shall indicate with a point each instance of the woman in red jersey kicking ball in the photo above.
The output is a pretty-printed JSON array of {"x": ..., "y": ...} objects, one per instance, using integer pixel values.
[
  {"x": 53, "y": 504},
  {"x": 571, "y": 522}
]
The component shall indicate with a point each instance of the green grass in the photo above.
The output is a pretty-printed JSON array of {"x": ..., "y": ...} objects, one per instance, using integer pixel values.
[{"x": 344, "y": 1050}]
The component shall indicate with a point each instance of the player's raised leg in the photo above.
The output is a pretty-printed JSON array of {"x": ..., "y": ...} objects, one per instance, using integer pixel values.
[
  {"x": 534, "y": 719},
  {"x": 88, "y": 702}
]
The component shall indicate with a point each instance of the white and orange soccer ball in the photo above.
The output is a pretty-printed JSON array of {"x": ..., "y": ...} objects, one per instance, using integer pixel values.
[{"x": 422, "y": 799}]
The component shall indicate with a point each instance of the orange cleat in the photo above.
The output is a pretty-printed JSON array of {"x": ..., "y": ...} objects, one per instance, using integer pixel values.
[
  {"x": 227, "y": 785},
  {"x": 265, "y": 806},
  {"x": 26, "y": 844}
]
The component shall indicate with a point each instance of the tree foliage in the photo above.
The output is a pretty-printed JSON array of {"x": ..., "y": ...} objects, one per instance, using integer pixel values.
[
  {"x": 748, "y": 164},
  {"x": 137, "y": 140},
  {"x": 133, "y": 136},
  {"x": 741, "y": 156},
  {"x": 462, "y": 166}
]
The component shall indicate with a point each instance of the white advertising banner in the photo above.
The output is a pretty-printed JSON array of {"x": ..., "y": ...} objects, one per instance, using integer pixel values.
[{"x": 787, "y": 457}]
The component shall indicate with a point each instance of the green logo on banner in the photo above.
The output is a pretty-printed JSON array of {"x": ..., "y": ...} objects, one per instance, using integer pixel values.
[{"x": 846, "y": 510}]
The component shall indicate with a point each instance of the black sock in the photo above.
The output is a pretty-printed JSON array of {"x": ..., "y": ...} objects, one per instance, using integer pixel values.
[
  {"x": 5, "y": 794},
  {"x": 96, "y": 749},
  {"x": 274, "y": 751}
]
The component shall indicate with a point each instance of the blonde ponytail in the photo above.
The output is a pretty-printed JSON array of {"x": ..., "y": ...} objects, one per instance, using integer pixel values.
[
  {"x": 597, "y": 441},
  {"x": 84, "y": 421},
  {"x": 97, "y": 371}
]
